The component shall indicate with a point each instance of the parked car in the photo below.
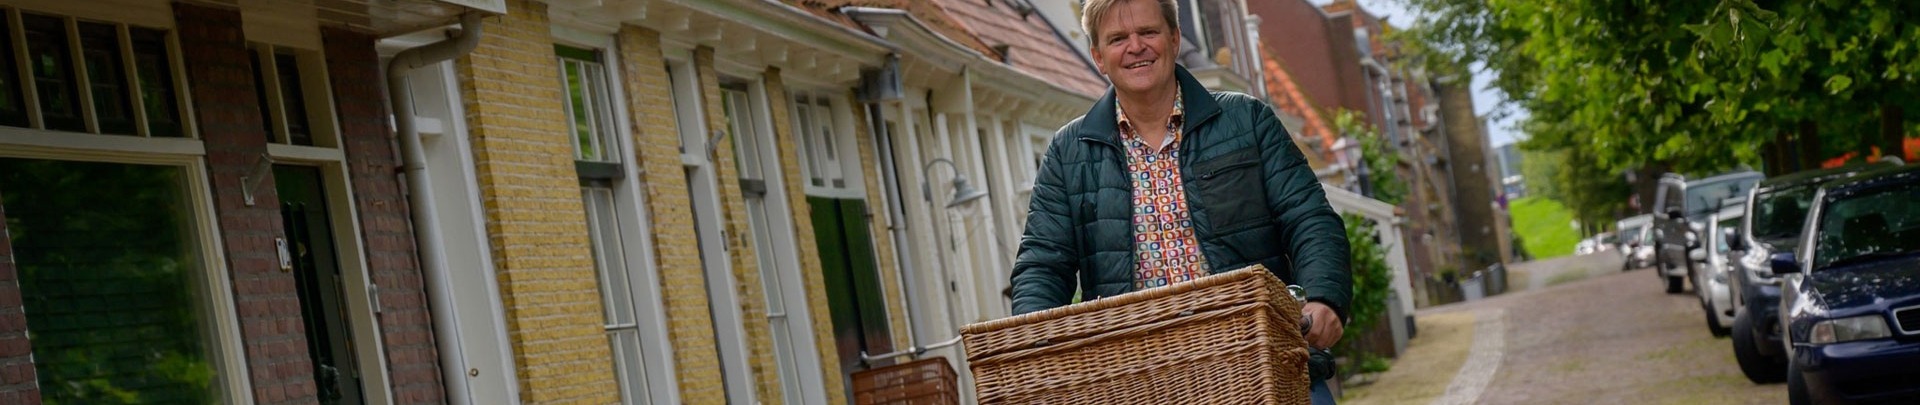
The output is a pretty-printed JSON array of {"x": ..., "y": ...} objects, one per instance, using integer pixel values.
[
  {"x": 1850, "y": 298},
  {"x": 1586, "y": 247},
  {"x": 1630, "y": 230},
  {"x": 1643, "y": 250},
  {"x": 1710, "y": 281},
  {"x": 1680, "y": 211},
  {"x": 1775, "y": 212}
]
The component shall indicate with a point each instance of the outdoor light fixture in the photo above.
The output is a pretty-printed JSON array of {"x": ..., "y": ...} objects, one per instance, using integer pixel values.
[{"x": 963, "y": 192}]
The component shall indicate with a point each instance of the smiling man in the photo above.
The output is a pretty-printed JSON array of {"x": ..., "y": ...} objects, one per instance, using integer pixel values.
[{"x": 1163, "y": 182}]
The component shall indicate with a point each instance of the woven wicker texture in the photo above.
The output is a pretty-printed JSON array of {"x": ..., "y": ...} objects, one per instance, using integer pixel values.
[
  {"x": 928, "y": 381},
  {"x": 1230, "y": 338}
]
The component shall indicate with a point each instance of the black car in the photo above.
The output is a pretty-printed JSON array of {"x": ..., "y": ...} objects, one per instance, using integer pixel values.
[
  {"x": 1680, "y": 209},
  {"x": 1850, "y": 292},
  {"x": 1775, "y": 211}
]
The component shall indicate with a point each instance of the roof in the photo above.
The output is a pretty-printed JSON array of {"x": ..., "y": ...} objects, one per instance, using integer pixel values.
[
  {"x": 1816, "y": 176},
  {"x": 1888, "y": 176},
  {"x": 933, "y": 15},
  {"x": 1288, "y": 96},
  {"x": 1032, "y": 44}
]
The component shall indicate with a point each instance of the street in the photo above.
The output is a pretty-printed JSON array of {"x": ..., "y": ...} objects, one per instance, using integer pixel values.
[{"x": 1614, "y": 337}]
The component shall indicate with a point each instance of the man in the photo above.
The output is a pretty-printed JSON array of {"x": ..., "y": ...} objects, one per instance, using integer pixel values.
[{"x": 1164, "y": 182}]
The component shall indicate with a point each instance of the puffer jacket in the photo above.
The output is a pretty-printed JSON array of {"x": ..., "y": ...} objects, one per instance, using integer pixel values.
[{"x": 1250, "y": 193}]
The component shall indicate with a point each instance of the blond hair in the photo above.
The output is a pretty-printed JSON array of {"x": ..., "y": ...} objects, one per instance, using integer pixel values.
[{"x": 1093, "y": 10}]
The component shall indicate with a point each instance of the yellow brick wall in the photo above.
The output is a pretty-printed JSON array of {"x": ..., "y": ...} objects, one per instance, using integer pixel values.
[
  {"x": 746, "y": 265},
  {"x": 812, "y": 275},
  {"x": 535, "y": 219},
  {"x": 882, "y": 238},
  {"x": 656, "y": 140}
]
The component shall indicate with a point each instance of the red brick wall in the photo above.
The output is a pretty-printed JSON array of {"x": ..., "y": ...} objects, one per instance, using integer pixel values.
[
  {"x": 405, "y": 326},
  {"x": 230, "y": 123},
  {"x": 16, "y": 356}
]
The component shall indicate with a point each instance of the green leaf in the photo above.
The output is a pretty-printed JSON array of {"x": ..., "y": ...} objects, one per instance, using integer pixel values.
[{"x": 1838, "y": 83}]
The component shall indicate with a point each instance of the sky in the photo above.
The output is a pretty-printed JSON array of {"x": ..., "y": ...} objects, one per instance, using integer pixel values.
[{"x": 1485, "y": 100}]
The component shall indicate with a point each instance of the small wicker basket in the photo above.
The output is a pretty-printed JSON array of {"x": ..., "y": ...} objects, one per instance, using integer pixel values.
[{"x": 1230, "y": 338}]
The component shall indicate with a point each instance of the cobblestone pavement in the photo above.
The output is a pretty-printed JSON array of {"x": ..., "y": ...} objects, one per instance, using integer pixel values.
[{"x": 1613, "y": 338}]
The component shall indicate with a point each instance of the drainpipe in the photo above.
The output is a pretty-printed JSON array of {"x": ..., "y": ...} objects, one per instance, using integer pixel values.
[
  {"x": 897, "y": 218},
  {"x": 426, "y": 232}
]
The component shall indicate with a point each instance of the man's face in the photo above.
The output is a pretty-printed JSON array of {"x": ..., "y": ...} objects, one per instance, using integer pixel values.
[{"x": 1135, "y": 47}]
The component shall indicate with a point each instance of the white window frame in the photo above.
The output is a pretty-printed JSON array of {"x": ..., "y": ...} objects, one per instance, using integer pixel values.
[
  {"x": 227, "y": 348},
  {"x": 635, "y": 227},
  {"x": 845, "y": 160},
  {"x": 780, "y": 274},
  {"x": 316, "y": 93},
  {"x": 703, "y": 187},
  {"x": 28, "y": 87}
]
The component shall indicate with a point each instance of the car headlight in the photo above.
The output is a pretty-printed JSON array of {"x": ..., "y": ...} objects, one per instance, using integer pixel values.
[{"x": 1848, "y": 329}]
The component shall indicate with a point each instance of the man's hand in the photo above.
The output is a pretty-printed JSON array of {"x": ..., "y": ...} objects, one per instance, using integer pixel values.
[{"x": 1326, "y": 329}]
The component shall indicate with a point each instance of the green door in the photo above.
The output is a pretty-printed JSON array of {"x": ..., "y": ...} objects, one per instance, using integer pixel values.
[{"x": 853, "y": 281}]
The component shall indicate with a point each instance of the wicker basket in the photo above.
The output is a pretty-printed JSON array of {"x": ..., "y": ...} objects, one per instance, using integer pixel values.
[
  {"x": 1230, "y": 338},
  {"x": 928, "y": 381}
]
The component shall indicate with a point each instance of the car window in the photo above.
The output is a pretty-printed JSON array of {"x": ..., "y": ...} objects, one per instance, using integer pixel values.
[
  {"x": 1874, "y": 221},
  {"x": 1779, "y": 214},
  {"x": 1706, "y": 197}
]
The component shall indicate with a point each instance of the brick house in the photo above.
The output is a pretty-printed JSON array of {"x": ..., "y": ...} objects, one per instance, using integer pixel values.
[{"x": 200, "y": 205}]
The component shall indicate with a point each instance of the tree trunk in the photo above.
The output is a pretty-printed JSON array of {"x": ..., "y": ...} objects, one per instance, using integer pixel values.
[{"x": 1808, "y": 146}]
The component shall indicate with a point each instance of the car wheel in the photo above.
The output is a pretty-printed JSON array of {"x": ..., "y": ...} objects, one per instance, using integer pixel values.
[
  {"x": 1713, "y": 322},
  {"x": 1797, "y": 386},
  {"x": 1759, "y": 368}
]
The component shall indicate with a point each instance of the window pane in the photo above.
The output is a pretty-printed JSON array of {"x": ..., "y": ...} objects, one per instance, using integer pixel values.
[
  {"x": 803, "y": 117},
  {"x": 100, "y": 49},
  {"x": 260, "y": 89},
  {"x": 52, "y": 63},
  {"x": 588, "y": 104},
  {"x": 156, "y": 82},
  {"x": 293, "y": 101},
  {"x": 603, "y": 227},
  {"x": 745, "y": 136},
  {"x": 626, "y": 359},
  {"x": 113, "y": 318},
  {"x": 13, "y": 110}
]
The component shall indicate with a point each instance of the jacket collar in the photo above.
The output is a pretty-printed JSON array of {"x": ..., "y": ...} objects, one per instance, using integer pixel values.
[{"x": 1102, "y": 124}]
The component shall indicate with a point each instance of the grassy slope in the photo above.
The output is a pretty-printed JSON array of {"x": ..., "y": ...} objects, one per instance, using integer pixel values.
[{"x": 1545, "y": 227}]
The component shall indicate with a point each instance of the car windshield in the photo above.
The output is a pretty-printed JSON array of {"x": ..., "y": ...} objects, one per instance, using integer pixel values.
[
  {"x": 1704, "y": 197},
  {"x": 1779, "y": 214},
  {"x": 1719, "y": 238},
  {"x": 1872, "y": 223}
]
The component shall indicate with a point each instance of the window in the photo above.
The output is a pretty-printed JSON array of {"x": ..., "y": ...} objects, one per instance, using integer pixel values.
[
  {"x": 84, "y": 76},
  {"x": 130, "y": 319},
  {"x": 589, "y": 110},
  {"x": 616, "y": 292},
  {"x": 772, "y": 243},
  {"x": 285, "y": 79},
  {"x": 813, "y": 121}
]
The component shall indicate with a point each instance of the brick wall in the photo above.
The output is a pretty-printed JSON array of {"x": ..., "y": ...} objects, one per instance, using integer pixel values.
[
  {"x": 534, "y": 216},
  {"x": 656, "y": 140},
  {"x": 811, "y": 275},
  {"x": 405, "y": 324},
  {"x": 17, "y": 378},
  {"x": 230, "y": 124},
  {"x": 748, "y": 289}
]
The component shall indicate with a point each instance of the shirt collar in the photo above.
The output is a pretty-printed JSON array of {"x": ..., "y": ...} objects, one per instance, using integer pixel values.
[{"x": 1173, "y": 121}]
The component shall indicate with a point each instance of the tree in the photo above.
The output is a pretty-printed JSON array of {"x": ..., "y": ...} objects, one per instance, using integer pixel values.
[{"x": 1380, "y": 160}]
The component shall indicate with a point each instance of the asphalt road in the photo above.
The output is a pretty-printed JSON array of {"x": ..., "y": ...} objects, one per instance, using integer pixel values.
[{"x": 1610, "y": 338}]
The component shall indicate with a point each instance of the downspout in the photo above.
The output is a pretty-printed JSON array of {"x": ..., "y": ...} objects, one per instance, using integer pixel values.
[
  {"x": 896, "y": 216},
  {"x": 426, "y": 230}
]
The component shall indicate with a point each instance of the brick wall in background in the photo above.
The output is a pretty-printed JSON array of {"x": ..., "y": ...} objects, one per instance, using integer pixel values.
[
  {"x": 230, "y": 123},
  {"x": 676, "y": 244},
  {"x": 535, "y": 219},
  {"x": 16, "y": 355},
  {"x": 405, "y": 324}
]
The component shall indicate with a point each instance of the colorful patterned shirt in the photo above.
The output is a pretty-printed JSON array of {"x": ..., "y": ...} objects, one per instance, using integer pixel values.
[{"x": 1164, "y": 247}]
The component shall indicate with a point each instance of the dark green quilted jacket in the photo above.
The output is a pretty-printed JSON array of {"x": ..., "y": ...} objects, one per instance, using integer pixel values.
[{"x": 1251, "y": 195}]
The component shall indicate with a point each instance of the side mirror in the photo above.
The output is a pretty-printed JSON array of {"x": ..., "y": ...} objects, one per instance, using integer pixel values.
[
  {"x": 1697, "y": 254},
  {"x": 1733, "y": 239},
  {"x": 1784, "y": 263}
]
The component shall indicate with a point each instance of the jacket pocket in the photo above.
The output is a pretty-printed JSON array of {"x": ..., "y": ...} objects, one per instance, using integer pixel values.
[{"x": 1231, "y": 191}]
